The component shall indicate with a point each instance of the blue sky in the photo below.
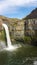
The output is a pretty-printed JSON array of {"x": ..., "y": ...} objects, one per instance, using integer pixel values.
[{"x": 17, "y": 8}]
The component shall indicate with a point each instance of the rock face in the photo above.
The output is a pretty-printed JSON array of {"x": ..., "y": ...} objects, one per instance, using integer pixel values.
[
  {"x": 30, "y": 26},
  {"x": 30, "y": 23},
  {"x": 16, "y": 27},
  {"x": 19, "y": 28}
]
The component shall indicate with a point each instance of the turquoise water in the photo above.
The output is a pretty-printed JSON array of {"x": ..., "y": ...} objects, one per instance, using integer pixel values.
[{"x": 24, "y": 55}]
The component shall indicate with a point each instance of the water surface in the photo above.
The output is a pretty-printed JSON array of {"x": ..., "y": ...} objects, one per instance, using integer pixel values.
[{"x": 24, "y": 55}]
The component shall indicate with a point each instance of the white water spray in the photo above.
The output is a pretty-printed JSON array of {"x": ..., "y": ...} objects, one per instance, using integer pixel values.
[{"x": 8, "y": 38}]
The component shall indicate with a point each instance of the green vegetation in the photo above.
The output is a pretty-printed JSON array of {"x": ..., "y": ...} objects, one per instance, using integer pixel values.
[
  {"x": 3, "y": 35},
  {"x": 31, "y": 39},
  {"x": 27, "y": 40}
]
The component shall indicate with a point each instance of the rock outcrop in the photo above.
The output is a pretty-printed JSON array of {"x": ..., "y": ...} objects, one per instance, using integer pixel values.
[
  {"x": 32, "y": 15},
  {"x": 16, "y": 26},
  {"x": 19, "y": 28},
  {"x": 30, "y": 23}
]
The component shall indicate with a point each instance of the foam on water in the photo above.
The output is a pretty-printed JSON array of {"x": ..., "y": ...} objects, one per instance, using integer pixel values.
[
  {"x": 11, "y": 48},
  {"x": 35, "y": 62}
]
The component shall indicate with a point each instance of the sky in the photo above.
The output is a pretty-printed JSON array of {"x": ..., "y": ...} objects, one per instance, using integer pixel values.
[{"x": 17, "y": 8}]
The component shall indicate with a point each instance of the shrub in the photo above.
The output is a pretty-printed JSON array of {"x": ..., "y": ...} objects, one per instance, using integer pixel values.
[{"x": 27, "y": 40}]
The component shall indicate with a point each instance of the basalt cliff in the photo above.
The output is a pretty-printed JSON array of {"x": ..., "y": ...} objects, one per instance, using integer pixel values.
[{"x": 19, "y": 28}]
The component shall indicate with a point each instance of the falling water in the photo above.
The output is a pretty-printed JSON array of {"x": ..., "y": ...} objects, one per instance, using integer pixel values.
[
  {"x": 10, "y": 46},
  {"x": 7, "y": 35}
]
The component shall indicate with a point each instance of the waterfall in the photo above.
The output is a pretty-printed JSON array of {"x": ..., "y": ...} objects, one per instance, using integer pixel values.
[
  {"x": 7, "y": 35},
  {"x": 10, "y": 47}
]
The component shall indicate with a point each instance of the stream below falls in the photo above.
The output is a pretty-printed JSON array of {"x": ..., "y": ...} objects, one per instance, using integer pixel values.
[{"x": 24, "y": 55}]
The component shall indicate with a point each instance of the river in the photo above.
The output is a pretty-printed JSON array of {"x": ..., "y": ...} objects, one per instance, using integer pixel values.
[{"x": 24, "y": 55}]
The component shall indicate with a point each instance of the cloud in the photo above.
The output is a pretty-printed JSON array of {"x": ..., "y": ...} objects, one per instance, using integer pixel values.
[{"x": 12, "y": 5}]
